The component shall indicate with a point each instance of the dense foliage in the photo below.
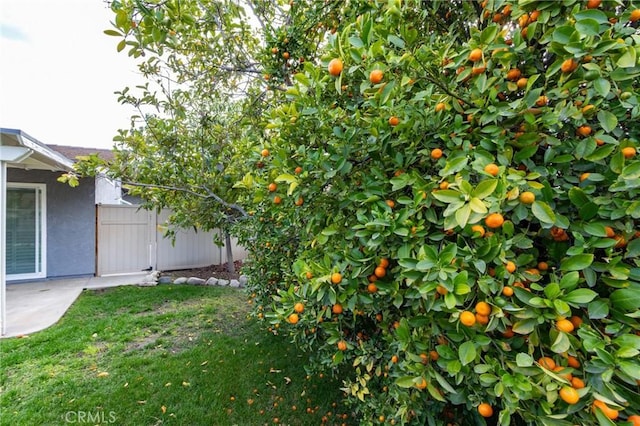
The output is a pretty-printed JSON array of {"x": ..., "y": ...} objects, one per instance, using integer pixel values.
[{"x": 443, "y": 202}]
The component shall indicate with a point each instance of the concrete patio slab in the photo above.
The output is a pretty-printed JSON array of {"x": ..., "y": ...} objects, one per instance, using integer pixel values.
[{"x": 37, "y": 305}]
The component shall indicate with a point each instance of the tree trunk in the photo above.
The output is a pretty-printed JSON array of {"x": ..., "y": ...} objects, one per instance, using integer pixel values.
[{"x": 227, "y": 243}]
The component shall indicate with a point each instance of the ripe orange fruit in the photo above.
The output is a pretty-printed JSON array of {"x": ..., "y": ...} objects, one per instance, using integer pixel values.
[
  {"x": 298, "y": 170},
  {"x": 542, "y": 101},
  {"x": 372, "y": 288},
  {"x": 593, "y": 4},
  {"x": 478, "y": 70},
  {"x": 513, "y": 74},
  {"x": 527, "y": 197},
  {"x": 483, "y": 308},
  {"x": 286, "y": 55},
  {"x": 394, "y": 359},
  {"x": 635, "y": 419},
  {"x": 522, "y": 83},
  {"x": 494, "y": 220},
  {"x": 422, "y": 384},
  {"x": 467, "y": 318},
  {"x": 543, "y": 266},
  {"x": 394, "y": 121},
  {"x": 569, "y": 395},
  {"x": 475, "y": 55},
  {"x": 299, "y": 201},
  {"x": 309, "y": 275},
  {"x": 336, "y": 278},
  {"x": 507, "y": 291},
  {"x": 376, "y": 76},
  {"x": 272, "y": 187},
  {"x": 628, "y": 152},
  {"x": 441, "y": 290},
  {"x": 337, "y": 309},
  {"x": 391, "y": 203},
  {"x": 335, "y": 67},
  {"x": 547, "y": 362},
  {"x": 299, "y": 307},
  {"x": 576, "y": 321},
  {"x": 265, "y": 152},
  {"x": 293, "y": 318},
  {"x": 485, "y": 410},
  {"x": 479, "y": 229},
  {"x": 565, "y": 325},
  {"x": 492, "y": 169},
  {"x": 577, "y": 383},
  {"x": 583, "y": 131},
  {"x": 566, "y": 375},
  {"x": 510, "y": 267},
  {"x": 569, "y": 65},
  {"x": 573, "y": 362},
  {"x": 434, "y": 355},
  {"x": 384, "y": 262},
  {"x": 277, "y": 199},
  {"x": 436, "y": 153},
  {"x": 635, "y": 15},
  {"x": 482, "y": 319},
  {"x": 584, "y": 176},
  {"x": 380, "y": 272},
  {"x": 609, "y": 412},
  {"x": 342, "y": 345},
  {"x": 440, "y": 106}
]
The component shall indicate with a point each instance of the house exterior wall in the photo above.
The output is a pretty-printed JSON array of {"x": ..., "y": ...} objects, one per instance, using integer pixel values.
[{"x": 71, "y": 222}]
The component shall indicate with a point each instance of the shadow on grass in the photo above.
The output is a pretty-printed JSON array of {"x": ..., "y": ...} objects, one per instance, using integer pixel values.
[{"x": 161, "y": 355}]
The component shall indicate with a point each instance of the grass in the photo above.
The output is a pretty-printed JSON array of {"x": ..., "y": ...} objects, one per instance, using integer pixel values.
[{"x": 174, "y": 355}]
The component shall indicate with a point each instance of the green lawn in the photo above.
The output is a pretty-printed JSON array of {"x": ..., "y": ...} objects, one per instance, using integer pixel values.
[{"x": 178, "y": 355}]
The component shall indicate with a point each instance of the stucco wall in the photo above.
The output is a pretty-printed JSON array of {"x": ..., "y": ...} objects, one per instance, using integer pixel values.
[{"x": 71, "y": 222}]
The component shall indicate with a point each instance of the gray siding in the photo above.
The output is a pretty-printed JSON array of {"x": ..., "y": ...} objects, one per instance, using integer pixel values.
[{"x": 71, "y": 222}]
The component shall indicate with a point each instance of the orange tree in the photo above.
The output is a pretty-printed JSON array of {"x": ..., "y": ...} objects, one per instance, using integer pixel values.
[{"x": 452, "y": 209}]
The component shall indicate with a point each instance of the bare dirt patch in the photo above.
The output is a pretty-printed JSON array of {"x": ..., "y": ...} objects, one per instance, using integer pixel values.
[{"x": 218, "y": 271}]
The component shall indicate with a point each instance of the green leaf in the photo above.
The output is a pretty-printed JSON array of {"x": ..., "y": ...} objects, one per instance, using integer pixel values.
[
  {"x": 543, "y": 212},
  {"x": 632, "y": 171},
  {"x": 356, "y": 42},
  {"x": 406, "y": 382},
  {"x": 589, "y": 27},
  {"x": 467, "y": 352},
  {"x": 525, "y": 326},
  {"x": 561, "y": 344},
  {"x": 113, "y": 33},
  {"x": 595, "y": 229},
  {"x": 489, "y": 34},
  {"x": 477, "y": 205},
  {"x": 285, "y": 177},
  {"x": 397, "y": 41},
  {"x": 462, "y": 215},
  {"x": 580, "y": 296},
  {"x": 602, "y": 86},
  {"x": 447, "y": 196},
  {"x": 485, "y": 188},
  {"x": 598, "y": 309},
  {"x": 592, "y": 14},
  {"x": 454, "y": 166},
  {"x": 577, "y": 262},
  {"x": 627, "y": 299},
  {"x": 628, "y": 59},
  {"x": 524, "y": 360},
  {"x": 578, "y": 197},
  {"x": 608, "y": 121}
]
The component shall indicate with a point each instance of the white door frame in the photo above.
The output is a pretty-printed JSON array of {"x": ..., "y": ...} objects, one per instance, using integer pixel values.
[{"x": 41, "y": 230}]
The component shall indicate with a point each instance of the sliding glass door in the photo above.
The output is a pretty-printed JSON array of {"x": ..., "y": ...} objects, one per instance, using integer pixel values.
[{"x": 26, "y": 232}]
